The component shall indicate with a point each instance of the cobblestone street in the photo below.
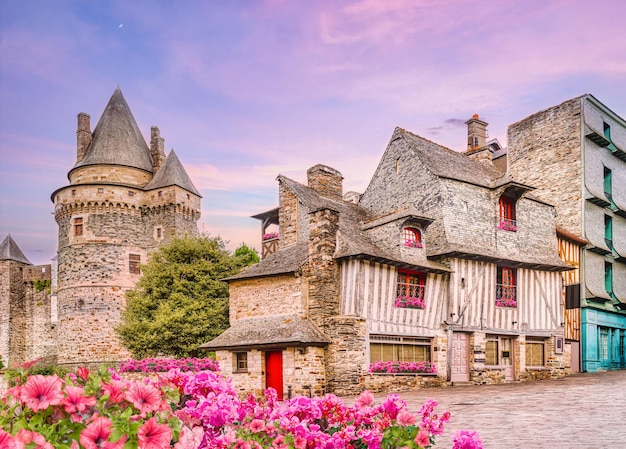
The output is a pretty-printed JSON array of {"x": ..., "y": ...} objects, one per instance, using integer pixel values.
[{"x": 586, "y": 410}]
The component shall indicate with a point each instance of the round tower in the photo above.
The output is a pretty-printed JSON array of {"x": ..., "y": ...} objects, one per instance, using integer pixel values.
[{"x": 107, "y": 227}]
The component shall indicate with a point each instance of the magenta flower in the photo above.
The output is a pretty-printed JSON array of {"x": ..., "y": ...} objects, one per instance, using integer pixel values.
[
  {"x": 39, "y": 392},
  {"x": 406, "y": 418},
  {"x": 76, "y": 401},
  {"x": 464, "y": 439},
  {"x": 153, "y": 435},
  {"x": 365, "y": 399},
  {"x": 422, "y": 438},
  {"x": 7, "y": 441},
  {"x": 26, "y": 437}
]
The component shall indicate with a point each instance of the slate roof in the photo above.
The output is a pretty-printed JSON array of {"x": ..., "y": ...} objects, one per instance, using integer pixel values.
[
  {"x": 269, "y": 331},
  {"x": 172, "y": 173},
  {"x": 116, "y": 138},
  {"x": 10, "y": 251},
  {"x": 446, "y": 163},
  {"x": 285, "y": 260}
]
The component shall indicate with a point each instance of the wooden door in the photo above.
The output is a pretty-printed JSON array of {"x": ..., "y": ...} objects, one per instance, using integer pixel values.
[
  {"x": 459, "y": 363},
  {"x": 274, "y": 372},
  {"x": 603, "y": 347},
  {"x": 506, "y": 358}
]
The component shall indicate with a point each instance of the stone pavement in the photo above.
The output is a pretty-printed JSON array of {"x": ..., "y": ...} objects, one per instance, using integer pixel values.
[{"x": 585, "y": 410}]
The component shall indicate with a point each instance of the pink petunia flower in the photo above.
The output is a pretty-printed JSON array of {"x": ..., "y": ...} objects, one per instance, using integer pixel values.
[
  {"x": 25, "y": 437},
  {"x": 144, "y": 396},
  {"x": 257, "y": 425},
  {"x": 406, "y": 418},
  {"x": 153, "y": 435},
  {"x": 422, "y": 438},
  {"x": 190, "y": 438},
  {"x": 96, "y": 435},
  {"x": 115, "y": 389},
  {"x": 365, "y": 399},
  {"x": 7, "y": 441},
  {"x": 40, "y": 392},
  {"x": 76, "y": 401}
]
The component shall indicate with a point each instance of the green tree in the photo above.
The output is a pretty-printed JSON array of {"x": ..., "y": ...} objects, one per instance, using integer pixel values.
[
  {"x": 180, "y": 301},
  {"x": 246, "y": 256}
]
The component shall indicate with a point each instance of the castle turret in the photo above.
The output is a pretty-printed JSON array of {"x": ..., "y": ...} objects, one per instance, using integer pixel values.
[{"x": 122, "y": 200}]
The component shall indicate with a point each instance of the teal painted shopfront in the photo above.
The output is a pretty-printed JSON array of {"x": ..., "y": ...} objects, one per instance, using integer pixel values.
[{"x": 604, "y": 336}]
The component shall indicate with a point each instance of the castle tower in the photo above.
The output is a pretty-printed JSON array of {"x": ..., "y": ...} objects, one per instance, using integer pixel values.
[{"x": 123, "y": 198}]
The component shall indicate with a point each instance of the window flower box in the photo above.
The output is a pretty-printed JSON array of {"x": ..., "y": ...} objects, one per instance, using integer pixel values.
[
  {"x": 270, "y": 236},
  {"x": 403, "y": 368},
  {"x": 413, "y": 244},
  {"x": 506, "y": 302},
  {"x": 410, "y": 302},
  {"x": 507, "y": 225}
]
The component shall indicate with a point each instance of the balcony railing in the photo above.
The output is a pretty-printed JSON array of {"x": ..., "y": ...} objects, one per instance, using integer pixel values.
[
  {"x": 507, "y": 224},
  {"x": 506, "y": 295}
]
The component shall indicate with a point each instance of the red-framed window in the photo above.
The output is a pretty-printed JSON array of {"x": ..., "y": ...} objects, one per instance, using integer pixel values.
[
  {"x": 410, "y": 290},
  {"x": 506, "y": 290},
  {"x": 507, "y": 214},
  {"x": 413, "y": 238}
]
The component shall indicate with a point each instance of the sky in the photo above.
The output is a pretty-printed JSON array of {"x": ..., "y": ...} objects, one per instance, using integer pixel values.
[{"x": 246, "y": 90}]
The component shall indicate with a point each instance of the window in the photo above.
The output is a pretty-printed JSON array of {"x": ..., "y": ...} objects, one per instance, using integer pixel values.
[
  {"x": 607, "y": 134},
  {"x": 507, "y": 214},
  {"x": 387, "y": 348},
  {"x": 131, "y": 193},
  {"x": 506, "y": 292},
  {"x": 158, "y": 233},
  {"x": 410, "y": 290},
  {"x": 73, "y": 191},
  {"x": 133, "y": 263},
  {"x": 608, "y": 231},
  {"x": 100, "y": 189},
  {"x": 491, "y": 350},
  {"x": 78, "y": 226},
  {"x": 535, "y": 351},
  {"x": 413, "y": 238},
  {"x": 608, "y": 184},
  {"x": 240, "y": 362},
  {"x": 160, "y": 192},
  {"x": 608, "y": 277}
]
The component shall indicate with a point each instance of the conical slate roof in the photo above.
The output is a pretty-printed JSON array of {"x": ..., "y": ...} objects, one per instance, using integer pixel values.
[
  {"x": 10, "y": 251},
  {"x": 117, "y": 139},
  {"x": 172, "y": 173}
]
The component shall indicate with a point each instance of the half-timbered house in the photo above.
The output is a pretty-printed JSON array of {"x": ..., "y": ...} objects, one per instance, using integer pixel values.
[{"x": 443, "y": 270}]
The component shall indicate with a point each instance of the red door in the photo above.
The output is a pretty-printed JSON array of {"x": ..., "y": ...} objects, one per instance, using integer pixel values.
[{"x": 274, "y": 372}]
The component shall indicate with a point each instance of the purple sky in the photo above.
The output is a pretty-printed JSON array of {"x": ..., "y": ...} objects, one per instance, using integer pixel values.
[{"x": 246, "y": 90}]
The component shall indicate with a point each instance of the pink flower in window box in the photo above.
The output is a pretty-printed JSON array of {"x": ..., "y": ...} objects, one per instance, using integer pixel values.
[
  {"x": 506, "y": 302},
  {"x": 507, "y": 225},
  {"x": 270, "y": 236},
  {"x": 410, "y": 302},
  {"x": 413, "y": 244}
]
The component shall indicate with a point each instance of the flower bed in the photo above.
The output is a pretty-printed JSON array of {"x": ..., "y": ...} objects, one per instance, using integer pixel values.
[
  {"x": 162, "y": 365},
  {"x": 410, "y": 302},
  {"x": 403, "y": 368},
  {"x": 187, "y": 410}
]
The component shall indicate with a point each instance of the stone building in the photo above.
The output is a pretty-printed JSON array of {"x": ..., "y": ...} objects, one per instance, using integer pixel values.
[
  {"x": 443, "y": 264},
  {"x": 575, "y": 154},
  {"x": 28, "y": 318},
  {"x": 123, "y": 198}
]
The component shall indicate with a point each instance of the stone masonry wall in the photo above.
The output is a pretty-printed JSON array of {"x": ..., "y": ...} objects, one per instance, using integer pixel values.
[
  {"x": 272, "y": 295},
  {"x": 287, "y": 216},
  {"x": 345, "y": 356},
  {"x": 545, "y": 152}
]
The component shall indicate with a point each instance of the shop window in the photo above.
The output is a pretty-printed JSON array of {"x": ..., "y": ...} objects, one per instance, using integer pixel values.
[
  {"x": 240, "y": 362},
  {"x": 387, "y": 348},
  {"x": 507, "y": 214},
  {"x": 410, "y": 290},
  {"x": 535, "y": 351},
  {"x": 491, "y": 350},
  {"x": 134, "y": 260},
  {"x": 78, "y": 226},
  {"x": 506, "y": 290},
  {"x": 413, "y": 238}
]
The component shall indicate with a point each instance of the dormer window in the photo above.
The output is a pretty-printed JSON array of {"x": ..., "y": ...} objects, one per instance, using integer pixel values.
[
  {"x": 507, "y": 214},
  {"x": 413, "y": 238}
]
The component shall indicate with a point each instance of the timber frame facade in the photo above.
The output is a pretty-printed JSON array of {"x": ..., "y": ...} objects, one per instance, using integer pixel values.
[{"x": 444, "y": 270}]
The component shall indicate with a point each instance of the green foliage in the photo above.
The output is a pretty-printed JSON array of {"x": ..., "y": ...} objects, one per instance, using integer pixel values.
[
  {"x": 42, "y": 284},
  {"x": 180, "y": 301},
  {"x": 246, "y": 255}
]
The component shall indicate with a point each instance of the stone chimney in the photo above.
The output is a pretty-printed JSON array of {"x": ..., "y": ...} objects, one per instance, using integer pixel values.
[
  {"x": 83, "y": 136},
  {"x": 326, "y": 181},
  {"x": 157, "y": 148},
  {"x": 476, "y": 133}
]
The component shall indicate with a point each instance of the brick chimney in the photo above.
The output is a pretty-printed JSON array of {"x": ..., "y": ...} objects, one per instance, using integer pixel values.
[
  {"x": 83, "y": 136},
  {"x": 326, "y": 181},
  {"x": 157, "y": 148},
  {"x": 476, "y": 133}
]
